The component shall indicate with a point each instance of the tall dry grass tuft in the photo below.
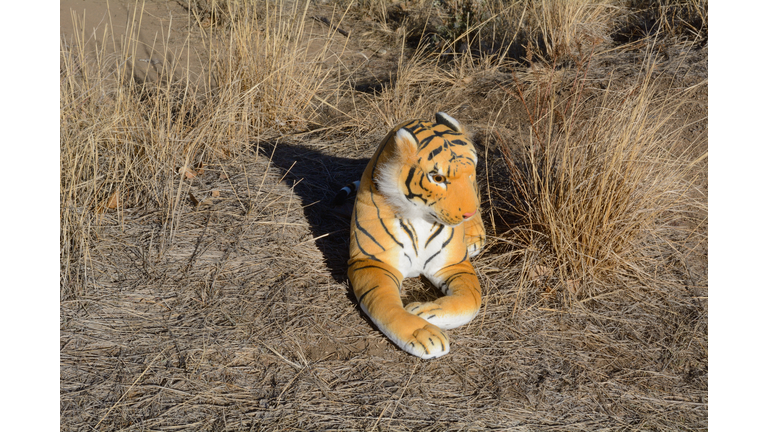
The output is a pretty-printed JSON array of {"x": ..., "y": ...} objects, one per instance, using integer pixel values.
[
  {"x": 271, "y": 69},
  {"x": 552, "y": 31},
  {"x": 684, "y": 19},
  {"x": 563, "y": 28},
  {"x": 213, "y": 13},
  {"x": 418, "y": 89},
  {"x": 601, "y": 184},
  {"x": 120, "y": 140},
  {"x": 129, "y": 142}
]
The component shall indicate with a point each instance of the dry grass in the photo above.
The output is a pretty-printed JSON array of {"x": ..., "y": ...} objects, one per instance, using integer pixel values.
[
  {"x": 126, "y": 144},
  {"x": 602, "y": 186},
  {"x": 203, "y": 273},
  {"x": 559, "y": 30},
  {"x": 419, "y": 87},
  {"x": 685, "y": 19}
]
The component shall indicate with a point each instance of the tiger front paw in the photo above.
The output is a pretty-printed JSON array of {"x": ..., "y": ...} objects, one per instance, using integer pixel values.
[
  {"x": 426, "y": 310},
  {"x": 428, "y": 342},
  {"x": 442, "y": 313}
]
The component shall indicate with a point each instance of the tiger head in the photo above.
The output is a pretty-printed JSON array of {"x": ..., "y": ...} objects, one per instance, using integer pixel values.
[{"x": 428, "y": 171}]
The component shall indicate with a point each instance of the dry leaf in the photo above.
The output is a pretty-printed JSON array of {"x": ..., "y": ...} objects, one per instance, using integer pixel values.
[
  {"x": 540, "y": 271},
  {"x": 199, "y": 168},
  {"x": 114, "y": 200},
  {"x": 573, "y": 285},
  {"x": 194, "y": 200},
  {"x": 187, "y": 172}
]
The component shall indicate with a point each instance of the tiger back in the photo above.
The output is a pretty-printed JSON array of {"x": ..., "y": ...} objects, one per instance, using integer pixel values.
[{"x": 417, "y": 212}]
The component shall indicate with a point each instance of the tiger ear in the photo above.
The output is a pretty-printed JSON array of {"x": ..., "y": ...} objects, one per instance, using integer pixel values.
[
  {"x": 406, "y": 141},
  {"x": 444, "y": 119}
]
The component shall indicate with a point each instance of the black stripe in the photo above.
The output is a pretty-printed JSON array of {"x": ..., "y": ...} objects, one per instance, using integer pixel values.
[
  {"x": 389, "y": 274},
  {"x": 410, "y": 195},
  {"x": 415, "y": 127},
  {"x": 430, "y": 258},
  {"x": 411, "y": 235},
  {"x": 415, "y": 233},
  {"x": 455, "y": 157},
  {"x": 445, "y": 243},
  {"x": 361, "y": 229},
  {"x": 435, "y": 152},
  {"x": 453, "y": 277},
  {"x": 458, "y": 142},
  {"x": 435, "y": 234},
  {"x": 423, "y": 346},
  {"x": 360, "y": 300},
  {"x": 426, "y": 142},
  {"x": 370, "y": 256},
  {"x": 445, "y": 133},
  {"x": 421, "y": 183},
  {"x": 381, "y": 221}
]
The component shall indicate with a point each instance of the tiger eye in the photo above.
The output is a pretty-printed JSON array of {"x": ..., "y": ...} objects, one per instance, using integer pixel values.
[{"x": 438, "y": 178}]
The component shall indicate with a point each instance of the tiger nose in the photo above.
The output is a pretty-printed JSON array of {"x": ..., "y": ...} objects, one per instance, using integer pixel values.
[{"x": 469, "y": 215}]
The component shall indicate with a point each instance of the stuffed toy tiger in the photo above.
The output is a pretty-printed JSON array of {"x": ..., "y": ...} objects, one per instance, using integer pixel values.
[{"x": 417, "y": 213}]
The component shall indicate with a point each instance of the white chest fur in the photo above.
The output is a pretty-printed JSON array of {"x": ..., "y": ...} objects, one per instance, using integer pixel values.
[{"x": 423, "y": 243}]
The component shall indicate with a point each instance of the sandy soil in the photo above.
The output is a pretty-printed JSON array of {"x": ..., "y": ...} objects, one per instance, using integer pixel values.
[{"x": 163, "y": 30}]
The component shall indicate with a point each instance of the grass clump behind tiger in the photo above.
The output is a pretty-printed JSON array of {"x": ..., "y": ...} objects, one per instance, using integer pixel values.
[{"x": 601, "y": 184}]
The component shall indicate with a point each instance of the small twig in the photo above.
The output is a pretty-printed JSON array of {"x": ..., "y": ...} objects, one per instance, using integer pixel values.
[
  {"x": 325, "y": 21},
  {"x": 295, "y": 366}
]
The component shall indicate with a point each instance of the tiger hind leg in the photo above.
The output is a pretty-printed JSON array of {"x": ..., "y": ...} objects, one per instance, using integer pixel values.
[
  {"x": 377, "y": 288},
  {"x": 461, "y": 302}
]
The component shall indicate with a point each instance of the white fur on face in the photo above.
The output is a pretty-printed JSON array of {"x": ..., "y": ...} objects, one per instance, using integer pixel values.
[{"x": 388, "y": 181}]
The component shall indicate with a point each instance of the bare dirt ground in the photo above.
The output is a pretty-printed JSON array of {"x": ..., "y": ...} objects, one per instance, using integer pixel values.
[{"x": 237, "y": 314}]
